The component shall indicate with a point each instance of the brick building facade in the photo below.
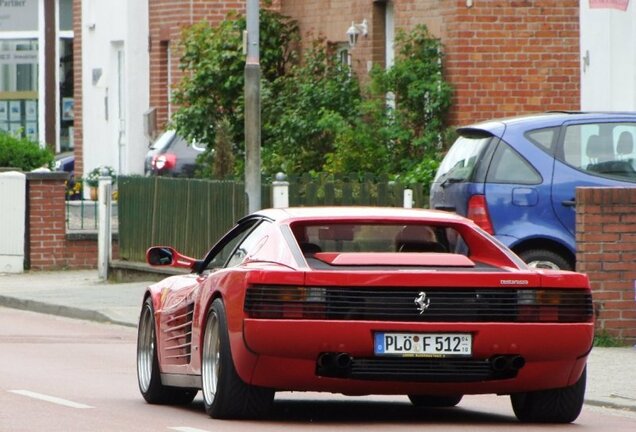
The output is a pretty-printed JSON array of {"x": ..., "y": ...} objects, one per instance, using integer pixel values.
[{"x": 502, "y": 57}]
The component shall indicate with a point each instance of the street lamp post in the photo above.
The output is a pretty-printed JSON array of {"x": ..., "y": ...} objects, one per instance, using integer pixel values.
[{"x": 253, "y": 109}]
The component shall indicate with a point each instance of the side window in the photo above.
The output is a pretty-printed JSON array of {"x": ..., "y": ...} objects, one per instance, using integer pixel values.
[
  {"x": 509, "y": 167},
  {"x": 250, "y": 244},
  {"x": 602, "y": 149},
  {"x": 543, "y": 138},
  {"x": 221, "y": 252}
]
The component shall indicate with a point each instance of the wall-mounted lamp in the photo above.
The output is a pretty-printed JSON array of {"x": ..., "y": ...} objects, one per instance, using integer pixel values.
[{"x": 356, "y": 30}]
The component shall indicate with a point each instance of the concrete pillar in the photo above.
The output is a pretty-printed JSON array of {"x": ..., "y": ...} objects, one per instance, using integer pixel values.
[
  {"x": 13, "y": 205},
  {"x": 280, "y": 192},
  {"x": 104, "y": 237},
  {"x": 408, "y": 198}
]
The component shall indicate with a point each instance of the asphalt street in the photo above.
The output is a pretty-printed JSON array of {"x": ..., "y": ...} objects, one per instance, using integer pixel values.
[{"x": 81, "y": 294}]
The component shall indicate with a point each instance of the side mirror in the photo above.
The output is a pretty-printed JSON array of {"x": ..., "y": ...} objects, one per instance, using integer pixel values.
[
  {"x": 160, "y": 256},
  {"x": 167, "y": 256}
]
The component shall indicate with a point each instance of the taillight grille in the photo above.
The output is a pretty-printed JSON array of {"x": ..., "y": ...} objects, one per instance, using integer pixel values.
[{"x": 398, "y": 304}]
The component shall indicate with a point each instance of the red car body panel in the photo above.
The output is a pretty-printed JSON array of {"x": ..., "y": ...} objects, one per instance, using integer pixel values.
[{"x": 282, "y": 353}]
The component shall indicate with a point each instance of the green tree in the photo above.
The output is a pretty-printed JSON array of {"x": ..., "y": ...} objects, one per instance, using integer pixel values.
[
  {"x": 315, "y": 117},
  {"x": 223, "y": 156},
  {"x": 213, "y": 64},
  {"x": 419, "y": 99},
  {"x": 305, "y": 109}
]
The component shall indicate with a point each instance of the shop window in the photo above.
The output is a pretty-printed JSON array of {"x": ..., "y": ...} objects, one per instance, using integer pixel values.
[
  {"x": 67, "y": 101},
  {"x": 19, "y": 87}
]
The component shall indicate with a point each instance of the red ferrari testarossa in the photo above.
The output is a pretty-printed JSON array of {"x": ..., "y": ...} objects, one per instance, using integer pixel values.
[{"x": 362, "y": 300}]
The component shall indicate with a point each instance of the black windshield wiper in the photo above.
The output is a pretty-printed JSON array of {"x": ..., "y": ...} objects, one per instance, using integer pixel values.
[{"x": 451, "y": 180}]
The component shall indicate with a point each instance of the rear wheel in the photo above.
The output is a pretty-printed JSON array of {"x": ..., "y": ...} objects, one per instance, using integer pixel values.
[
  {"x": 545, "y": 259},
  {"x": 148, "y": 376},
  {"x": 225, "y": 395},
  {"x": 435, "y": 401},
  {"x": 550, "y": 406}
]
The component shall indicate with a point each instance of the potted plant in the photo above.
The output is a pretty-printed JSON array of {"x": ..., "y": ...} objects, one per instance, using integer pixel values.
[{"x": 92, "y": 179}]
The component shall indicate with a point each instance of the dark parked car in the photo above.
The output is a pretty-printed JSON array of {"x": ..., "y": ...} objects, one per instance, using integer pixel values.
[
  {"x": 65, "y": 162},
  {"x": 517, "y": 177},
  {"x": 171, "y": 155}
]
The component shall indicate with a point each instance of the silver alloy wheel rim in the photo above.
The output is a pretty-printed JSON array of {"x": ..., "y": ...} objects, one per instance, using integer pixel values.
[
  {"x": 210, "y": 361},
  {"x": 146, "y": 349},
  {"x": 543, "y": 265}
]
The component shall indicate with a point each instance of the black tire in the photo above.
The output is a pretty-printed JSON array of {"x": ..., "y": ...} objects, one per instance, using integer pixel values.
[
  {"x": 546, "y": 259},
  {"x": 225, "y": 395},
  {"x": 148, "y": 376},
  {"x": 550, "y": 406},
  {"x": 435, "y": 401}
]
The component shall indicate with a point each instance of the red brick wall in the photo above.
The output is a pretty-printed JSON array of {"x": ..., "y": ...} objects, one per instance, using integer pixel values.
[
  {"x": 606, "y": 251},
  {"x": 49, "y": 247},
  {"x": 510, "y": 57},
  {"x": 46, "y": 220}
]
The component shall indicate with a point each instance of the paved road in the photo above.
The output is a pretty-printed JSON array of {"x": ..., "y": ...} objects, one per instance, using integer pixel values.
[
  {"x": 81, "y": 294},
  {"x": 59, "y": 374}
]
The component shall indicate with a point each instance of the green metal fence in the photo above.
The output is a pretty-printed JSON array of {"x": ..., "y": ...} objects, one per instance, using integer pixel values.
[
  {"x": 192, "y": 214},
  {"x": 185, "y": 213}
]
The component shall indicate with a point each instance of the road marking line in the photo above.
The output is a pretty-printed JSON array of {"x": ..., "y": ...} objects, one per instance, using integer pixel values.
[
  {"x": 186, "y": 429},
  {"x": 51, "y": 399}
]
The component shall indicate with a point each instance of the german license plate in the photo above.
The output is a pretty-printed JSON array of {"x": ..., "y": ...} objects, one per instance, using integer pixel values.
[{"x": 423, "y": 344}]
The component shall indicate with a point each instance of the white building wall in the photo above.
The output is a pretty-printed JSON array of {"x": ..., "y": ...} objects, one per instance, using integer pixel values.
[
  {"x": 608, "y": 58},
  {"x": 113, "y": 32}
]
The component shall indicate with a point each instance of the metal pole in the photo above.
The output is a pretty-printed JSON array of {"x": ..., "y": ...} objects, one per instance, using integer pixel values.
[{"x": 253, "y": 109}]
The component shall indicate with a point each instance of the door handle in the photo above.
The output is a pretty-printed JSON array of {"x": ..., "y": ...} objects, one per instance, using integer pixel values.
[{"x": 569, "y": 203}]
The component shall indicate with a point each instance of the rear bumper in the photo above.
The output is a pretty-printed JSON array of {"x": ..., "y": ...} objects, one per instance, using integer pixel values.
[{"x": 286, "y": 355}]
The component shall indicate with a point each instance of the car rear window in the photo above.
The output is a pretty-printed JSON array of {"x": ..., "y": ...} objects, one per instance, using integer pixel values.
[
  {"x": 376, "y": 237},
  {"x": 461, "y": 159},
  {"x": 163, "y": 141}
]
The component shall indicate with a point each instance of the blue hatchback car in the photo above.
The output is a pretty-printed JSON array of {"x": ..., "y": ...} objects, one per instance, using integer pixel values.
[{"x": 516, "y": 177}]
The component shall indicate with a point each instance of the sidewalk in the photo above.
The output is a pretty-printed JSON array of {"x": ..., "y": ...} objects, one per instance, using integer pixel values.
[{"x": 611, "y": 379}]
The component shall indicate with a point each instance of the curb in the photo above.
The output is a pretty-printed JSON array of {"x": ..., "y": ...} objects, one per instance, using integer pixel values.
[
  {"x": 612, "y": 405},
  {"x": 64, "y": 311}
]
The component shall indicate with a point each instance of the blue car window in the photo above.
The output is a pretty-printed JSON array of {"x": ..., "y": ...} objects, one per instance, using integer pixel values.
[
  {"x": 602, "y": 149},
  {"x": 545, "y": 139},
  {"x": 508, "y": 166}
]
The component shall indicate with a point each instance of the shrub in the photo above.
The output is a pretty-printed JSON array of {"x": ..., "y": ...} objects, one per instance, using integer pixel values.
[
  {"x": 92, "y": 179},
  {"x": 23, "y": 153}
]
